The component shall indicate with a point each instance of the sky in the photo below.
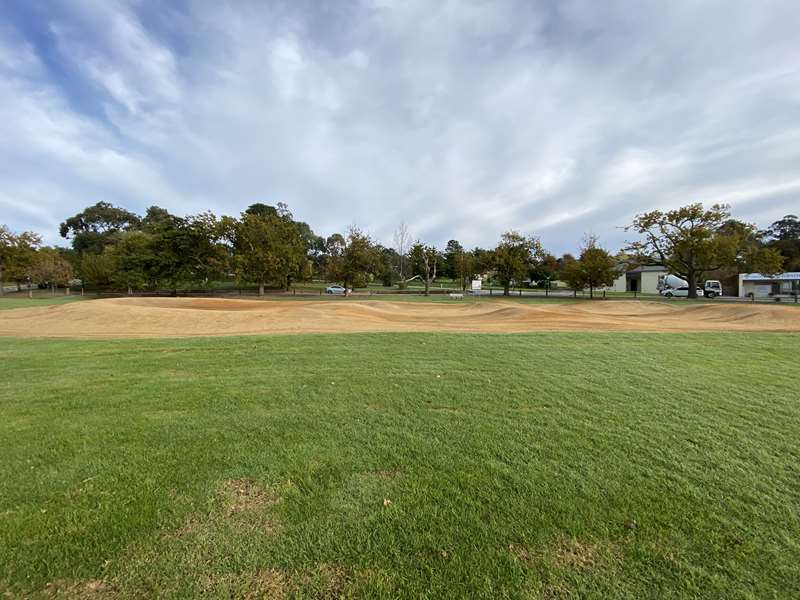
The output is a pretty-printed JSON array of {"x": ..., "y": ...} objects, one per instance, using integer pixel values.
[{"x": 462, "y": 119}]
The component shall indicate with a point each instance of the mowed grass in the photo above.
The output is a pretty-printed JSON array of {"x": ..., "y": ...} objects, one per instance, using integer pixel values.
[
  {"x": 17, "y": 300},
  {"x": 402, "y": 465}
]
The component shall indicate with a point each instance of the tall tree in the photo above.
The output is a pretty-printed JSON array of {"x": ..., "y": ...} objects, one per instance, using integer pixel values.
[
  {"x": 594, "y": 268},
  {"x": 691, "y": 241},
  {"x": 514, "y": 257},
  {"x": 452, "y": 252},
  {"x": 464, "y": 268},
  {"x": 787, "y": 228},
  {"x": 785, "y": 238},
  {"x": 268, "y": 249},
  {"x": 358, "y": 259},
  {"x": 424, "y": 262},
  {"x": 93, "y": 229},
  {"x": 402, "y": 241}
]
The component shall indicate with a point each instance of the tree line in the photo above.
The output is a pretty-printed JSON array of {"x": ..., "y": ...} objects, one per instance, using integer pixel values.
[{"x": 265, "y": 246}]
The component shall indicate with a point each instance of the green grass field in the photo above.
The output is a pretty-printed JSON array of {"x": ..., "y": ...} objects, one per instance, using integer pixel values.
[
  {"x": 402, "y": 465},
  {"x": 11, "y": 301}
]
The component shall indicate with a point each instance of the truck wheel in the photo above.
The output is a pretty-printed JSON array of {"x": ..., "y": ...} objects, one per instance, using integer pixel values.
[
  {"x": 711, "y": 295},
  {"x": 668, "y": 295}
]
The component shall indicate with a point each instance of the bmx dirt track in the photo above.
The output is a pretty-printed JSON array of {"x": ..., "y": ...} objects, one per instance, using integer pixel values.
[{"x": 187, "y": 317}]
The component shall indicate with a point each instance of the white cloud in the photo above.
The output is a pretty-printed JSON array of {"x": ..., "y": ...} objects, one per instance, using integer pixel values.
[{"x": 462, "y": 118}]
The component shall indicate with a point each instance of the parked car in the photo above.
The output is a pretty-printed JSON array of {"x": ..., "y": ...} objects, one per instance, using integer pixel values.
[
  {"x": 335, "y": 289},
  {"x": 681, "y": 292}
]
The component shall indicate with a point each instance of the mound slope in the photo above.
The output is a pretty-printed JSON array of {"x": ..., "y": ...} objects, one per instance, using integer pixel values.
[{"x": 185, "y": 317}]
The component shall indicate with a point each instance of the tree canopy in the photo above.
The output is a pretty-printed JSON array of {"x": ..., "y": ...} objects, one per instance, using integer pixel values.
[
  {"x": 692, "y": 240},
  {"x": 594, "y": 268},
  {"x": 514, "y": 257}
]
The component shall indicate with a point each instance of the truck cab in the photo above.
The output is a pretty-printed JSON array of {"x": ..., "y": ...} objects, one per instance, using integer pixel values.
[{"x": 712, "y": 288}]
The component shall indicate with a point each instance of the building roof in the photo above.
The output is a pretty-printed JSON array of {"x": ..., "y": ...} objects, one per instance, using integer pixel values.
[
  {"x": 649, "y": 268},
  {"x": 780, "y": 277}
]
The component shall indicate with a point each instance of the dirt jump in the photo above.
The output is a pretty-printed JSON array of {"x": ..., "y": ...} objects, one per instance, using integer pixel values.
[{"x": 187, "y": 317}]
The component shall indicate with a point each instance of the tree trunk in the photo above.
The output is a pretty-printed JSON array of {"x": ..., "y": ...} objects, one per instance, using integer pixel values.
[
  {"x": 691, "y": 278},
  {"x": 591, "y": 292},
  {"x": 506, "y": 289},
  {"x": 53, "y": 288},
  {"x": 260, "y": 289},
  {"x": 427, "y": 287},
  {"x": 2, "y": 285}
]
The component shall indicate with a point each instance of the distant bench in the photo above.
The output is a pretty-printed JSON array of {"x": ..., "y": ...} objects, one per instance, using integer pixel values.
[{"x": 454, "y": 296}]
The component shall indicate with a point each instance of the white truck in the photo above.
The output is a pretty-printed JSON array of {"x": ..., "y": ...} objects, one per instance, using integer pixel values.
[{"x": 674, "y": 286}]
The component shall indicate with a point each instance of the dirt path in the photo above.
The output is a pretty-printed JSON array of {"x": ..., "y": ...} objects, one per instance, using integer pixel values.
[{"x": 186, "y": 317}]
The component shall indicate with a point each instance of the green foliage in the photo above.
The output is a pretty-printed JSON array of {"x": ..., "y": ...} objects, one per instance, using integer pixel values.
[
  {"x": 16, "y": 254},
  {"x": 514, "y": 257},
  {"x": 135, "y": 259},
  {"x": 95, "y": 227},
  {"x": 97, "y": 270},
  {"x": 691, "y": 241},
  {"x": 595, "y": 268},
  {"x": 787, "y": 228},
  {"x": 518, "y": 466},
  {"x": 268, "y": 249},
  {"x": 351, "y": 260},
  {"x": 785, "y": 238}
]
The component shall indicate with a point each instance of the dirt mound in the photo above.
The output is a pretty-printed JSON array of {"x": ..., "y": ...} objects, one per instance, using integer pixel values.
[{"x": 184, "y": 317}]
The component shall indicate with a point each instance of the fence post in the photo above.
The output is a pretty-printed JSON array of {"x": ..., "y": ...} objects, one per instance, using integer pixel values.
[{"x": 520, "y": 292}]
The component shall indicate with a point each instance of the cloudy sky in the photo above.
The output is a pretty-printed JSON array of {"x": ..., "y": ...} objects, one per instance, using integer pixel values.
[{"x": 461, "y": 118}]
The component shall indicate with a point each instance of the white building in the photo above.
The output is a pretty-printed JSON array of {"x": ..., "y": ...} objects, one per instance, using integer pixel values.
[
  {"x": 761, "y": 286},
  {"x": 641, "y": 279}
]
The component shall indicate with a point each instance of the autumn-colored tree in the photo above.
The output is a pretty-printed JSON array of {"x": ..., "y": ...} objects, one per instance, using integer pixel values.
[{"x": 50, "y": 268}]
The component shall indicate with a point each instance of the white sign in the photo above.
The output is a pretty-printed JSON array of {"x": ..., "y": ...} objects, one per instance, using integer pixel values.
[{"x": 476, "y": 285}]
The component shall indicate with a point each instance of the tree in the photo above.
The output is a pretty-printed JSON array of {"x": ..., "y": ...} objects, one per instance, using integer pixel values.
[
  {"x": 787, "y": 228},
  {"x": 268, "y": 249},
  {"x": 97, "y": 269},
  {"x": 514, "y": 256},
  {"x": 594, "y": 268},
  {"x": 135, "y": 259},
  {"x": 689, "y": 241},
  {"x": 385, "y": 265},
  {"x": 358, "y": 259},
  {"x": 464, "y": 268},
  {"x": 785, "y": 238},
  {"x": 453, "y": 250},
  {"x": 49, "y": 268},
  {"x": 402, "y": 239},
  {"x": 752, "y": 255},
  {"x": 545, "y": 270},
  {"x": 424, "y": 262},
  {"x": 93, "y": 229},
  {"x": 16, "y": 254}
]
